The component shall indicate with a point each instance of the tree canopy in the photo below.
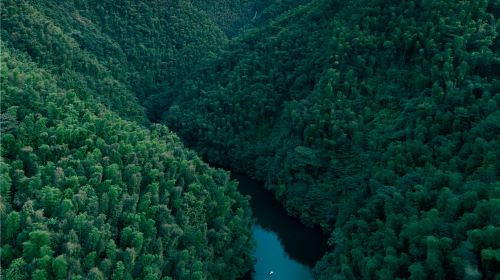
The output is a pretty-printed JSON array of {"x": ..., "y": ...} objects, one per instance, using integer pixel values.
[
  {"x": 378, "y": 120},
  {"x": 89, "y": 188}
]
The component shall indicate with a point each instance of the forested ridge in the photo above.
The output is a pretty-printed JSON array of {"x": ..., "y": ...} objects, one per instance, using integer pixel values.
[
  {"x": 89, "y": 188},
  {"x": 377, "y": 121},
  {"x": 120, "y": 53},
  {"x": 235, "y": 16}
]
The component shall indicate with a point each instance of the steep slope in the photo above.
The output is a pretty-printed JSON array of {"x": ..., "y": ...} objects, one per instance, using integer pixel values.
[
  {"x": 88, "y": 195},
  {"x": 87, "y": 191},
  {"x": 233, "y": 16},
  {"x": 377, "y": 120},
  {"x": 114, "y": 51}
]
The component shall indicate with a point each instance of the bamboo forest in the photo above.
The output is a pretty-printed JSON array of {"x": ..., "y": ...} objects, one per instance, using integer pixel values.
[{"x": 250, "y": 139}]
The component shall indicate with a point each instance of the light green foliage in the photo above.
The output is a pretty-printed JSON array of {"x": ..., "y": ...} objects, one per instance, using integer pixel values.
[
  {"x": 377, "y": 120},
  {"x": 87, "y": 194},
  {"x": 119, "y": 53}
]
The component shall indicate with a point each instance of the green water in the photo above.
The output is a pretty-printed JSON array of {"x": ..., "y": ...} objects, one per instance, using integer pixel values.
[{"x": 286, "y": 249}]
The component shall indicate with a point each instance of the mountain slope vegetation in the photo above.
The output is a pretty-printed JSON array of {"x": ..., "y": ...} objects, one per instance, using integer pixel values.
[
  {"x": 119, "y": 52},
  {"x": 234, "y": 16},
  {"x": 377, "y": 120},
  {"x": 87, "y": 190}
]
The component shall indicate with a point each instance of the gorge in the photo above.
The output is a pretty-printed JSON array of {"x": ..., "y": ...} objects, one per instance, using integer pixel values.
[{"x": 371, "y": 129}]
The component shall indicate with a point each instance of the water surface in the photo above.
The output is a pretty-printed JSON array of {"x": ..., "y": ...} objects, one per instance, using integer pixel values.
[{"x": 286, "y": 249}]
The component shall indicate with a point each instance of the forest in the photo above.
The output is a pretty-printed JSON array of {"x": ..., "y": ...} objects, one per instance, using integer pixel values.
[{"x": 377, "y": 121}]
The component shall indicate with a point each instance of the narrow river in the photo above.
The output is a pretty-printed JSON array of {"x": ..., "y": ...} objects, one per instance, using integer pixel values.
[{"x": 286, "y": 249}]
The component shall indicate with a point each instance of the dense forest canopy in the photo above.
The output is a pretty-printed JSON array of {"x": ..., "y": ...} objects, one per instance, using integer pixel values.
[
  {"x": 119, "y": 52},
  {"x": 87, "y": 191},
  {"x": 235, "y": 16},
  {"x": 378, "y": 121},
  {"x": 88, "y": 195}
]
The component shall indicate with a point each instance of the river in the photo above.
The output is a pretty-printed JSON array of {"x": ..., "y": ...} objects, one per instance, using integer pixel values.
[{"x": 286, "y": 249}]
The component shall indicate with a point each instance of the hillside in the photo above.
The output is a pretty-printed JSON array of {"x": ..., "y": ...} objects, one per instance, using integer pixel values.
[
  {"x": 377, "y": 120},
  {"x": 87, "y": 191},
  {"x": 118, "y": 52},
  {"x": 235, "y": 16}
]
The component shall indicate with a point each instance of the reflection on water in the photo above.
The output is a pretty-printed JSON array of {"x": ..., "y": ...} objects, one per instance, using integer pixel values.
[
  {"x": 286, "y": 249},
  {"x": 272, "y": 260}
]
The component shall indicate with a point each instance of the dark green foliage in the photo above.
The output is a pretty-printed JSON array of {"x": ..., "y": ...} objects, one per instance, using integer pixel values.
[
  {"x": 86, "y": 194},
  {"x": 378, "y": 120},
  {"x": 112, "y": 51},
  {"x": 234, "y": 16}
]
